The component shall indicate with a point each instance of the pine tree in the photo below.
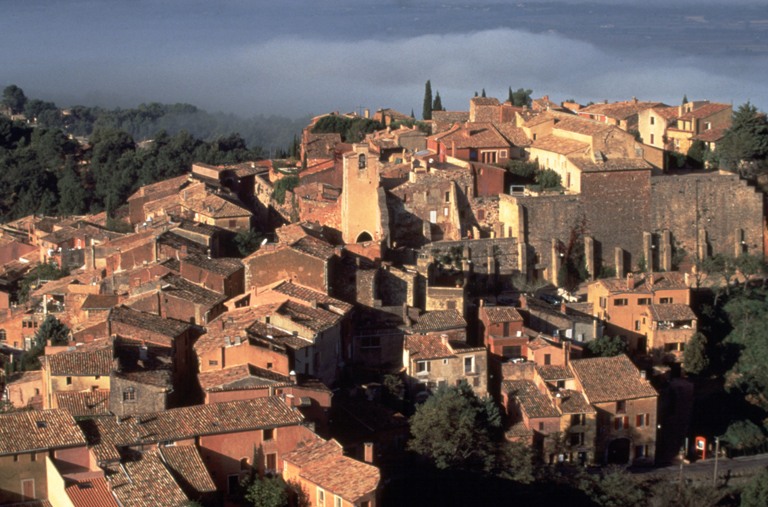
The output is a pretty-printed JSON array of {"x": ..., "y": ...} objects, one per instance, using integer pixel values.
[
  {"x": 437, "y": 104},
  {"x": 426, "y": 112}
]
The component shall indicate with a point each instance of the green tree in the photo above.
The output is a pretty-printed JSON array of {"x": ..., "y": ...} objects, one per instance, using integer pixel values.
[
  {"x": 72, "y": 193},
  {"x": 426, "y": 112},
  {"x": 282, "y": 186},
  {"x": 437, "y": 104},
  {"x": 548, "y": 178},
  {"x": 745, "y": 143},
  {"x": 755, "y": 492},
  {"x": 454, "y": 429},
  {"x": 697, "y": 154},
  {"x": 248, "y": 242},
  {"x": 53, "y": 330},
  {"x": 14, "y": 99},
  {"x": 744, "y": 436},
  {"x": 522, "y": 168},
  {"x": 38, "y": 274},
  {"x": 607, "y": 346},
  {"x": 522, "y": 97},
  {"x": 267, "y": 492},
  {"x": 483, "y": 93},
  {"x": 514, "y": 461},
  {"x": 695, "y": 360},
  {"x": 614, "y": 487},
  {"x": 685, "y": 99}
]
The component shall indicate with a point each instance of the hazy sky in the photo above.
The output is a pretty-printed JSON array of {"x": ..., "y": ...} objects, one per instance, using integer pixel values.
[{"x": 299, "y": 57}]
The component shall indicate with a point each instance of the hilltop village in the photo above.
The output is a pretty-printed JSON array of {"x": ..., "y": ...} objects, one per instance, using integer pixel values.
[{"x": 485, "y": 249}]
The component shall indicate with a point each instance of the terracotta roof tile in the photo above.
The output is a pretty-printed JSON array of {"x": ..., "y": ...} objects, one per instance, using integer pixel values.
[
  {"x": 308, "y": 295},
  {"x": 244, "y": 376},
  {"x": 704, "y": 111},
  {"x": 439, "y": 320},
  {"x": 36, "y": 430},
  {"x": 314, "y": 247},
  {"x": 325, "y": 465},
  {"x": 611, "y": 379},
  {"x": 99, "y": 302},
  {"x": 222, "y": 266},
  {"x": 187, "y": 422},
  {"x": 559, "y": 145},
  {"x": 148, "y": 321},
  {"x": 497, "y": 314},
  {"x": 667, "y": 280},
  {"x": 574, "y": 402},
  {"x": 552, "y": 372},
  {"x": 91, "y": 492},
  {"x": 588, "y": 164},
  {"x": 473, "y": 135},
  {"x": 84, "y": 404},
  {"x": 181, "y": 288},
  {"x": 187, "y": 467},
  {"x": 533, "y": 402},
  {"x": 671, "y": 312},
  {"x": 89, "y": 360},
  {"x": 314, "y": 319},
  {"x": 230, "y": 325},
  {"x": 427, "y": 347},
  {"x": 214, "y": 206},
  {"x": 619, "y": 110},
  {"x": 145, "y": 482}
]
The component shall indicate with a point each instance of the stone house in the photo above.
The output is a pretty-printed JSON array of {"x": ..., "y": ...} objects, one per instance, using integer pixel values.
[
  {"x": 622, "y": 114},
  {"x": 501, "y": 328},
  {"x": 141, "y": 380},
  {"x": 471, "y": 142},
  {"x": 675, "y": 128},
  {"x": 626, "y": 406},
  {"x": 83, "y": 368},
  {"x": 431, "y": 361}
]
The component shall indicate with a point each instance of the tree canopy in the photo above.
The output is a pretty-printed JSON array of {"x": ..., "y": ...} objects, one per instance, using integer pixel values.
[
  {"x": 454, "y": 429},
  {"x": 521, "y": 97},
  {"x": 745, "y": 144},
  {"x": 14, "y": 99}
]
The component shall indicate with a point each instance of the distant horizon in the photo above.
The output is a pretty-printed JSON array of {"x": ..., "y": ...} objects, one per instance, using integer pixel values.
[{"x": 298, "y": 58}]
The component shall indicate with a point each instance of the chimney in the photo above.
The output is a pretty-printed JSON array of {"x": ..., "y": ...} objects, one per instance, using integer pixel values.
[
  {"x": 563, "y": 308},
  {"x": 558, "y": 399},
  {"x": 566, "y": 353},
  {"x": 406, "y": 318},
  {"x": 444, "y": 339},
  {"x": 368, "y": 452},
  {"x": 313, "y": 303},
  {"x": 630, "y": 281},
  {"x": 367, "y": 113},
  {"x": 523, "y": 302},
  {"x": 687, "y": 279},
  {"x": 292, "y": 376},
  {"x": 643, "y": 374},
  {"x": 650, "y": 279}
]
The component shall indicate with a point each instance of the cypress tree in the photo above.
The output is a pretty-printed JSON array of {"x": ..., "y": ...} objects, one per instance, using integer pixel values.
[
  {"x": 511, "y": 98},
  {"x": 483, "y": 92},
  {"x": 685, "y": 99},
  {"x": 426, "y": 113},
  {"x": 437, "y": 105}
]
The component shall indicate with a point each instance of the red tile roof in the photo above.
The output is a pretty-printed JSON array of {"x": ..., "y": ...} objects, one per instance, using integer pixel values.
[
  {"x": 85, "y": 360},
  {"x": 440, "y": 320},
  {"x": 323, "y": 464},
  {"x": 37, "y": 430},
  {"x": 146, "y": 482},
  {"x": 497, "y": 314},
  {"x": 533, "y": 402},
  {"x": 607, "y": 379},
  {"x": 187, "y": 467},
  {"x": 84, "y": 404},
  {"x": 91, "y": 493},
  {"x": 244, "y": 376}
]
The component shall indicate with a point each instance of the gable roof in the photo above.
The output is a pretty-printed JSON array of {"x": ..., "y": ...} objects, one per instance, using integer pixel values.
[
  {"x": 324, "y": 464},
  {"x": 244, "y": 376},
  {"x": 187, "y": 468},
  {"x": 84, "y": 403},
  {"x": 145, "y": 482},
  {"x": 308, "y": 295},
  {"x": 224, "y": 266},
  {"x": 28, "y": 431},
  {"x": 533, "y": 402},
  {"x": 671, "y": 312},
  {"x": 90, "y": 492},
  {"x": 148, "y": 321},
  {"x": 89, "y": 360},
  {"x": 606, "y": 379},
  {"x": 497, "y": 314},
  {"x": 439, "y": 320}
]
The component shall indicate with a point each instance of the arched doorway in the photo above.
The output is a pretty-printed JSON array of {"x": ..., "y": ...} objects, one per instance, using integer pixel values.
[
  {"x": 364, "y": 237},
  {"x": 618, "y": 452}
]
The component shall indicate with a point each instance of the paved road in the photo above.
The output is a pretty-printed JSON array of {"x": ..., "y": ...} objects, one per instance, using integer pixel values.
[{"x": 727, "y": 468}]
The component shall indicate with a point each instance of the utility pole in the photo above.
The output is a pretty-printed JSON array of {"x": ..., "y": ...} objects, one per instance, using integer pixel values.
[
  {"x": 717, "y": 452},
  {"x": 683, "y": 453}
]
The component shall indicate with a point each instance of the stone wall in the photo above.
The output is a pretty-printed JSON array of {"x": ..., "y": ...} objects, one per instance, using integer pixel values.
[{"x": 711, "y": 209}]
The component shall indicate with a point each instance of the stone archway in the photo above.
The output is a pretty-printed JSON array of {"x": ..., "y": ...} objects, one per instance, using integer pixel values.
[{"x": 364, "y": 237}]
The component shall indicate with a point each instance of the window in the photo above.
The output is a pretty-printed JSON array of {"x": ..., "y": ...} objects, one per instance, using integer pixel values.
[
  {"x": 621, "y": 407},
  {"x": 469, "y": 364},
  {"x": 707, "y": 126},
  {"x": 370, "y": 342},
  {"x": 653, "y": 120},
  {"x": 361, "y": 161},
  {"x": 337, "y": 501},
  {"x": 577, "y": 438},
  {"x": 506, "y": 329},
  {"x": 34, "y": 456},
  {"x": 129, "y": 394},
  {"x": 547, "y": 358},
  {"x": 620, "y": 422},
  {"x": 578, "y": 419},
  {"x": 644, "y": 301},
  {"x": 481, "y": 214},
  {"x": 213, "y": 362},
  {"x": 69, "y": 381},
  {"x": 233, "y": 484},
  {"x": 512, "y": 351},
  {"x": 271, "y": 462},
  {"x": 232, "y": 223},
  {"x": 620, "y": 302},
  {"x": 651, "y": 138},
  {"x": 447, "y": 197},
  {"x": 637, "y": 325},
  {"x": 642, "y": 420},
  {"x": 320, "y": 498},
  {"x": 602, "y": 302},
  {"x": 541, "y": 426},
  {"x": 2, "y": 334},
  {"x": 665, "y": 301},
  {"x": 422, "y": 367},
  {"x": 450, "y": 305},
  {"x": 268, "y": 434}
]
